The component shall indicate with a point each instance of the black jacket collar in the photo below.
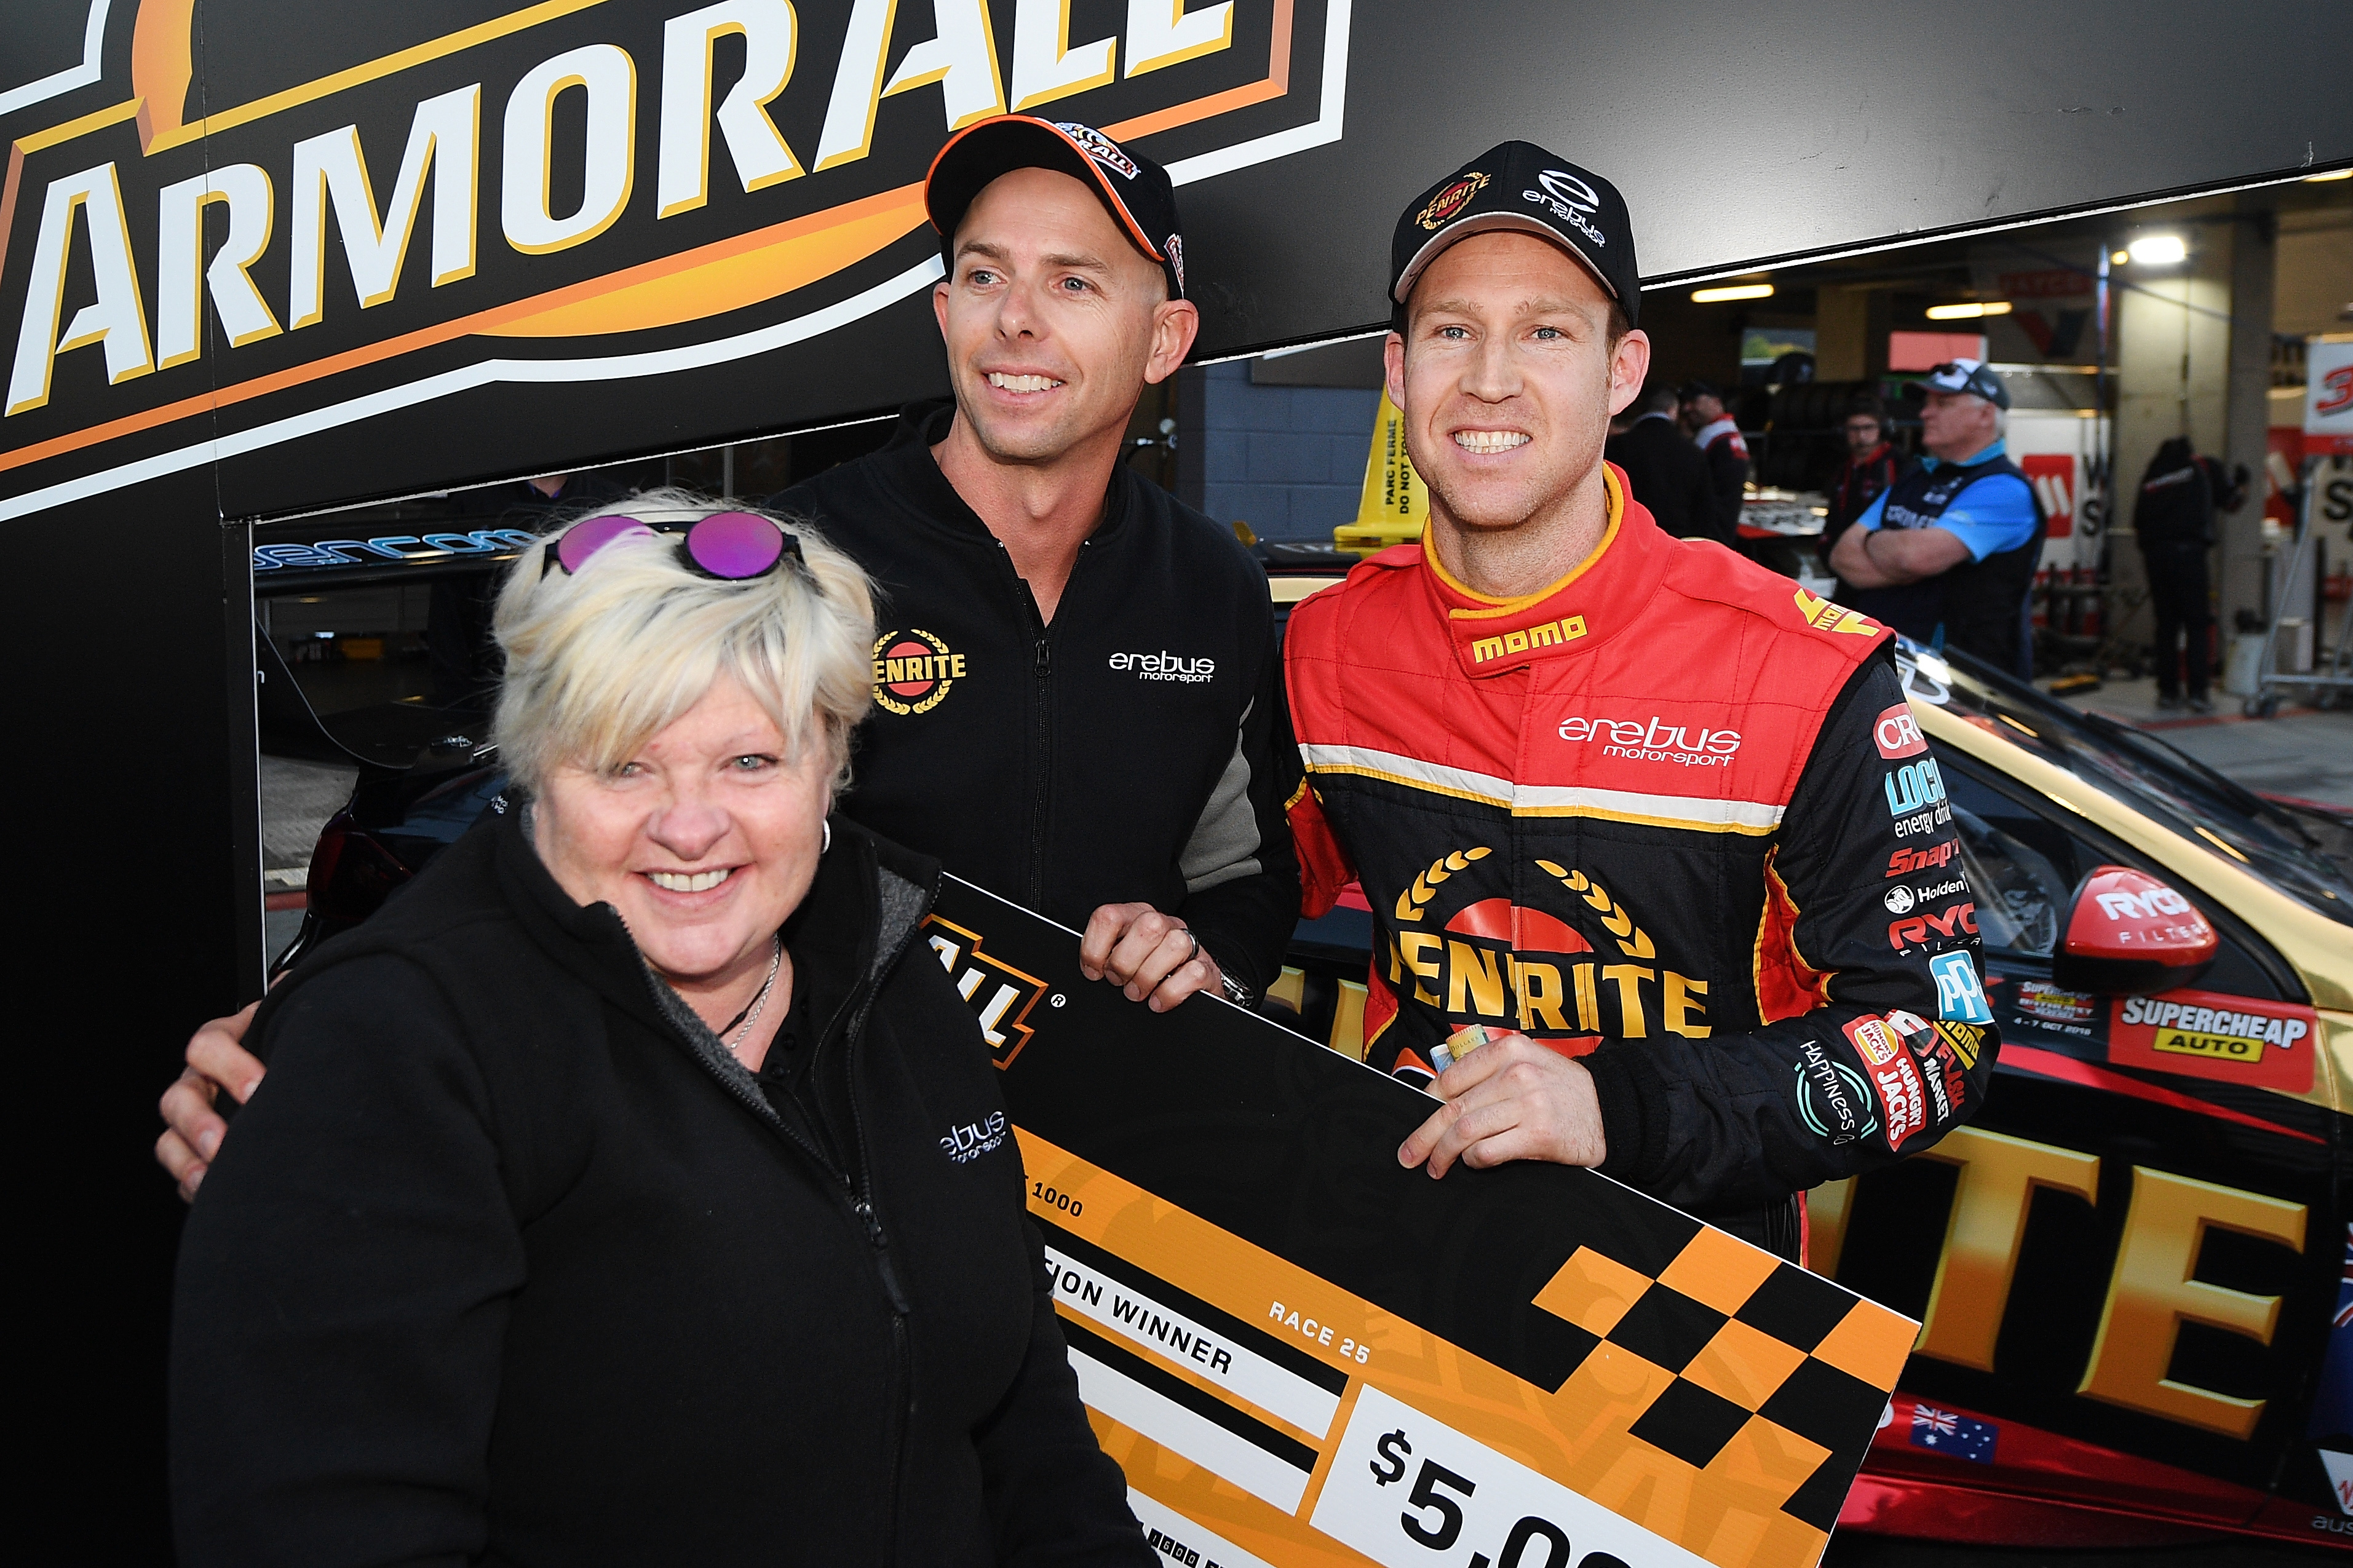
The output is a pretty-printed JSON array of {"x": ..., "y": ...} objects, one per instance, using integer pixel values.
[{"x": 907, "y": 466}]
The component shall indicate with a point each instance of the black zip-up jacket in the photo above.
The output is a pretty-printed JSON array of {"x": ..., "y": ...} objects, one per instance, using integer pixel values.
[
  {"x": 510, "y": 1262},
  {"x": 1135, "y": 750}
]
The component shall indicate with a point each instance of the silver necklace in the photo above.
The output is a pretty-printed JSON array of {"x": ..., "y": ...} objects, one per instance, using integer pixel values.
[{"x": 749, "y": 1017}]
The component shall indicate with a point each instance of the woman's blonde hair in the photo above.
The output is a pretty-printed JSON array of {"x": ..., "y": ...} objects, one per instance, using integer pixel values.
[{"x": 599, "y": 661}]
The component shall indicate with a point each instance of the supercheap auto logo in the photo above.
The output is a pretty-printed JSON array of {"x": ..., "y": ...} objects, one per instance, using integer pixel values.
[
  {"x": 2204, "y": 1034},
  {"x": 915, "y": 671}
]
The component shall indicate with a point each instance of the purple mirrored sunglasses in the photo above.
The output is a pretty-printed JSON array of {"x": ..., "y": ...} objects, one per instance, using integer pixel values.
[{"x": 728, "y": 545}]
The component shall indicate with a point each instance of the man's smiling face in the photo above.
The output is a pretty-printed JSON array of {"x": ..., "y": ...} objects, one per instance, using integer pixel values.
[
  {"x": 1054, "y": 322},
  {"x": 1507, "y": 378}
]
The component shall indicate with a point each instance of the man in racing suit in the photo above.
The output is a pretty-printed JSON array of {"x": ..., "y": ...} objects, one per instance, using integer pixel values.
[{"x": 1660, "y": 820}]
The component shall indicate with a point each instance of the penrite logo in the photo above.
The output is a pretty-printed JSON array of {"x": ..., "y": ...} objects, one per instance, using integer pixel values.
[
  {"x": 570, "y": 193},
  {"x": 1166, "y": 667},
  {"x": 1000, "y": 995},
  {"x": 1451, "y": 200},
  {"x": 914, "y": 673}
]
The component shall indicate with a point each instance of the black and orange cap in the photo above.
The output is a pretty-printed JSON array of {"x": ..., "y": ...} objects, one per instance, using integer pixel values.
[{"x": 1135, "y": 190}]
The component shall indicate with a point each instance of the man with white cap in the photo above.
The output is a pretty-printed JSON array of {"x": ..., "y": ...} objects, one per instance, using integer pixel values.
[{"x": 1945, "y": 555}]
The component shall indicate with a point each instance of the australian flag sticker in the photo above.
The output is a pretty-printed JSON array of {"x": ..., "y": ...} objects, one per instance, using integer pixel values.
[{"x": 1956, "y": 1434}]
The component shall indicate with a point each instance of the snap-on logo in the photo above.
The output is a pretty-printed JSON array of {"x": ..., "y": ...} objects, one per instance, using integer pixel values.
[
  {"x": 1166, "y": 667},
  {"x": 1691, "y": 746},
  {"x": 1551, "y": 633}
]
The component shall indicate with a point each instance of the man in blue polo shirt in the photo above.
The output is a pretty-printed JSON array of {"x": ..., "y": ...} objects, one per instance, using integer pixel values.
[{"x": 1947, "y": 554}]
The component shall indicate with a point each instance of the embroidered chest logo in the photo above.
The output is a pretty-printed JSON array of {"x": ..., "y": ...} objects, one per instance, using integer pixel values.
[
  {"x": 913, "y": 671},
  {"x": 973, "y": 1139},
  {"x": 1550, "y": 634},
  {"x": 1000, "y": 995}
]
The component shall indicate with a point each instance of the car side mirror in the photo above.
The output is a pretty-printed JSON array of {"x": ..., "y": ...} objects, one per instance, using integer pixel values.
[{"x": 2128, "y": 934}]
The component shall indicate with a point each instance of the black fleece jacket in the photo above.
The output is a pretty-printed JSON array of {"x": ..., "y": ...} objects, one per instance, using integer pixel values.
[
  {"x": 510, "y": 1262},
  {"x": 1135, "y": 750}
]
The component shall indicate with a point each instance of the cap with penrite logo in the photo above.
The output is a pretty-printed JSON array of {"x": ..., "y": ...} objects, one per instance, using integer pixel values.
[
  {"x": 1519, "y": 186},
  {"x": 1134, "y": 189}
]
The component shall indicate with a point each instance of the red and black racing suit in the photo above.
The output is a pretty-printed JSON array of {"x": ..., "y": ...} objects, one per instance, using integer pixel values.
[{"x": 1671, "y": 814}]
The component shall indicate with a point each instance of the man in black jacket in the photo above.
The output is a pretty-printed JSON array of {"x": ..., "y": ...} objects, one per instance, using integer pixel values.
[
  {"x": 1717, "y": 436},
  {"x": 1668, "y": 474},
  {"x": 1079, "y": 694},
  {"x": 2173, "y": 517}
]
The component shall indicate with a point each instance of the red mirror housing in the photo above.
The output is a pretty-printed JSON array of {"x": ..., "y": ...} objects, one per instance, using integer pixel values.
[{"x": 2128, "y": 934}]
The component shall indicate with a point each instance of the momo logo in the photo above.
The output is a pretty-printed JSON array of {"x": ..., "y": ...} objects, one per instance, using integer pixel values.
[
  {"x": 1961, "y": 920},
  {"x": 972, "y": 1140},
  {"x": 1550, "y": 634},
  {"x": 1825, "y": 617},
  {"x": 1451, "y": 200},
  {"x": 1833, "y": 1097},
  {"x": 1655, "y": 741},
  {"x": 1166, "y": 667},
  {"x": 1570, "y": 199},
  {"x": 1100, "y": 147},
  {"x": 1000, "y": 995},
  {"x": 1897, "y": 733},
  {"x": 914, "y": 673}
]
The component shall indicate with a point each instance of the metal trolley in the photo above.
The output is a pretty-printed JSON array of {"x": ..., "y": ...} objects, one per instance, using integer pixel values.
[{"x": 2330, "y": 683}]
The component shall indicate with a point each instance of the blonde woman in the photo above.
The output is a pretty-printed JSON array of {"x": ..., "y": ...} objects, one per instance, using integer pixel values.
[{"x": 594, "y": 1209}]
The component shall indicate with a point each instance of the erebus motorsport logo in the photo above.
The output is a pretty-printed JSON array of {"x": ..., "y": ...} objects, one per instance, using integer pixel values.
[
  {"x": 914, "y": 672},
  {"x": 970, "y": 1140},
  {"x": 1000, "y": 995},
  {"x": 1656, "y": 741},
  {"x": 380, "y": 221},
  {"x": 1569, "y": 199},
  {"x": 1166, "y": 667}
]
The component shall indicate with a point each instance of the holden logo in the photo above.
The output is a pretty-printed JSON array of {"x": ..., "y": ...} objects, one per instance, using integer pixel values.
[
  {"x": 1898, "y": 899},
  {"x": 1563, "y": 186}
]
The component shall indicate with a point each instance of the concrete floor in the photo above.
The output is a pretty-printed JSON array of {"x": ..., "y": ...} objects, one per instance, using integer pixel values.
[{"x": 2301, "y": 751}]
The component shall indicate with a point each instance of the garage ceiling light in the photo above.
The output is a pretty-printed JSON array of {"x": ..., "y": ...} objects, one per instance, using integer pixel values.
[
  {"x": 1732, "y": 291},
  {"x": 1969, "y": 311},
  {"x": 2118, "y": 257},
  {"x": 2159, "y": 249},
  {"x": 2332, "y": 175}
]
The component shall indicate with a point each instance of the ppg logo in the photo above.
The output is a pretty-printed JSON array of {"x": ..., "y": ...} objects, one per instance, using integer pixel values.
[{"x": 1960, "y": 996}]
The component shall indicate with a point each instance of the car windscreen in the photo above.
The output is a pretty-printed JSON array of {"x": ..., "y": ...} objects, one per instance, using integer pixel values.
[{"x": 2140, "y": 770}]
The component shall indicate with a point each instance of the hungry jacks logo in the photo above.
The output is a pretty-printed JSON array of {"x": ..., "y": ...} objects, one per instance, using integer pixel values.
[{"x": 351, "y": 220}]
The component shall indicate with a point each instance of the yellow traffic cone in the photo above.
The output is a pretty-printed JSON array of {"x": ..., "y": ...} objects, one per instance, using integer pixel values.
[{"x": 1395, "y": 504}]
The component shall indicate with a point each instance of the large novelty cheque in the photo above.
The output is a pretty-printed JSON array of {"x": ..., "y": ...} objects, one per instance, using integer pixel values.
[{"x": 1302, "y": 1354}]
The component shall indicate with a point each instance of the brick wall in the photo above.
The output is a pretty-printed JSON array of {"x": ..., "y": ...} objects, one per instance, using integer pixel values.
[{"x": 1288, "y": 460}]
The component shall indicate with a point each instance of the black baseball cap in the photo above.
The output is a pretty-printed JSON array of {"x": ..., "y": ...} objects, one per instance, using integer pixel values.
[
  {"x": 1135, "y": 190},
  {"x": 1519, "y": 185},
  {"x": 1967, "y": 376}
]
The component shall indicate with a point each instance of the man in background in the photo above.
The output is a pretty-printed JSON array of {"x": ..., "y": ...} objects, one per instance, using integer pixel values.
[
  {"x": 1945, "y": 555},
  {"x": 1719, "y": 440},
  {"x": 1872, "y": 465},
  {"x": 1665, "y": 471},
  {"x": 2173, "y": 517}
]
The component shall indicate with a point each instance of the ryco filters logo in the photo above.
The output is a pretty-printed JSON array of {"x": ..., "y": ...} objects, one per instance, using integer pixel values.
[
  {"x": 1451, "y": 200},
  {"x": 913, "y": 671}
]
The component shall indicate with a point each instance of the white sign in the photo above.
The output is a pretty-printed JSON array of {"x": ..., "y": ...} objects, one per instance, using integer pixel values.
[{"x": 2327, "y": 397}]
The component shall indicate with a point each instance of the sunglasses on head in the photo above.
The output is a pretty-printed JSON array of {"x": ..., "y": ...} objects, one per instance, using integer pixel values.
[{"x": 728, "y": 545}]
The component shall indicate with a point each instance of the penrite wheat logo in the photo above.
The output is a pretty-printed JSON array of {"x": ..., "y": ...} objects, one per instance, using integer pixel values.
[
  {"x": 914, "y": 672},
  {"x": 566, "y": 193}
]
